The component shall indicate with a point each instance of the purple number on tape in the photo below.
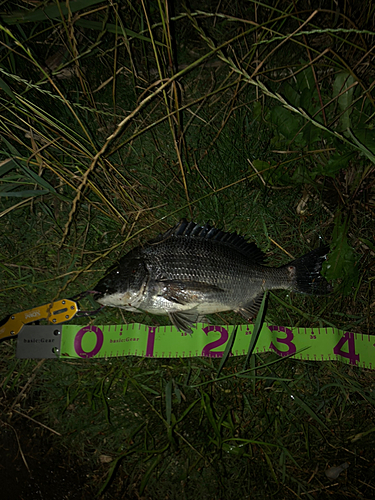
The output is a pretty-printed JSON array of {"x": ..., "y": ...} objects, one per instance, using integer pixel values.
[
  {"x": 221, "y": 341},
  {"x": 78, "y": 341},
  {"x": 350, "y": 355},
  {"x": 287, "y": 341},
  {"x": 150, "y": 342}
]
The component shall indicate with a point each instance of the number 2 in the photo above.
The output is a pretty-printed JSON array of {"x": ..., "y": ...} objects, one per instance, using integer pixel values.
[{"x": 207, "y": 352}]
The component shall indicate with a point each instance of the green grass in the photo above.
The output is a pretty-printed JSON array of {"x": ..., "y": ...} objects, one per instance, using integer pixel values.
[{"x": 254, "y": 120}]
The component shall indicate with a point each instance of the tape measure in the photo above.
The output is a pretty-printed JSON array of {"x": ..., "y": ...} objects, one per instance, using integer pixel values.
[{"x": 112, "y": 341}]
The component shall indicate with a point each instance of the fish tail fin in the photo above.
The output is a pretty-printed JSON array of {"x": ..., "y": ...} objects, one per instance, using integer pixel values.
[{"x": 306, "y": 273}]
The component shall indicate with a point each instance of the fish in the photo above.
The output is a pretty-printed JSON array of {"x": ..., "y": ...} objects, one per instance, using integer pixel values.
[{"x": 192, "y": 270}]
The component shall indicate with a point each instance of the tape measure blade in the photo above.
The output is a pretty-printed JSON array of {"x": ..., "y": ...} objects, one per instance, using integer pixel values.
[{"x": 39, "y": 342}]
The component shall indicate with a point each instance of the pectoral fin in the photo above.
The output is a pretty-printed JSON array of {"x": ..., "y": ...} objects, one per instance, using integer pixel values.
[
  {"x": 184, "y": 320},
  {"x": 250, "y": 310},
  {"x": 187, "y": 292}
]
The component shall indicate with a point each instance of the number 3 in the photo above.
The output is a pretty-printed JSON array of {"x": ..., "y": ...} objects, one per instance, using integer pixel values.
[{"x": 287, "y": 341}]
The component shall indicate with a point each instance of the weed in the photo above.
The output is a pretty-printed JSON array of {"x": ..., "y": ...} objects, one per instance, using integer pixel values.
[{"x": 116, "y": 121}]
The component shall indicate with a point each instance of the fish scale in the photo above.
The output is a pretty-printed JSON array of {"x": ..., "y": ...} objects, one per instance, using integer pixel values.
[{"x": 193, "y": 270}]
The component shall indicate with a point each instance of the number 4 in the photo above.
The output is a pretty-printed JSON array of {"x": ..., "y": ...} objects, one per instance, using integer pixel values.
[{"x": 350, "y": 355}]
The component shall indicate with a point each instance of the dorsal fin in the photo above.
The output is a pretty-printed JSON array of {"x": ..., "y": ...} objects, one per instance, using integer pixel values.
[{"x": 192, "y": 230}]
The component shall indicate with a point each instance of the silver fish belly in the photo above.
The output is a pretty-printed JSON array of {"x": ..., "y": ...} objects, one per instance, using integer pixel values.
[{"x": 192, "y": 270}]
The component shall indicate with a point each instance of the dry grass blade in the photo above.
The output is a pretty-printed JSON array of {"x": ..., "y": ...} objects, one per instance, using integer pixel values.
[{"x": 119, "y": 119}]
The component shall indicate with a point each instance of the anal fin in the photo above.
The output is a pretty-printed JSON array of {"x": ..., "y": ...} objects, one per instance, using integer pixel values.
[{"x": 250, "y": 310}]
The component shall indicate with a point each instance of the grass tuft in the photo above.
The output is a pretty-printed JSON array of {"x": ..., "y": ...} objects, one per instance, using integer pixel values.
[{"x": 118, "y": 120}]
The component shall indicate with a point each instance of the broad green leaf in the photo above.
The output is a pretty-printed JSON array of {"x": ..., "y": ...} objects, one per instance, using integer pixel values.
[
  {"x": 257, "y": 110},
  {"x": 310, "y": 102},
  {"x": 187, "y": 411},
  {"x": 301, "y": 175},
  {"x": 53, "y": 11},
  {"x": 19, "y": 163},
  {"x": 342, "y": 260},
  {"x": 234, "y": 449},
  {"x": 366, "y": 136},
  {"x": 207, "y": 406},
  {"x": 362, "y": 147},
  {"x": 342, "y": 82},
  {"x": 369, "y": 243},
  {"x": 291, "y": 95},
  {"x": 305, "y": 79},
  {"x": 336, "y": 163},
  {"x": 146, "y": 476},
  {"x": 113, "y": 28},
  {"x": 10, "y": 184},
  {"x": 168, "y": 401},
  {"x": 24, "y": 194},
  {"x": 257, "y": 329},
  {"x": 5, "y": 268},
  {"x": 303, "y": 404},
  {"x": 311, "y": 133},
  {"x": 263, "y": 167},
  {"x": 288, "y": 124},
  {"x": 227, "y": 351},
  {"x": 7, "y": 165},
  {"x": 4, "y": 86},
  {"x": 39, "y": 180},
  {"x": 13, "y": 151}
]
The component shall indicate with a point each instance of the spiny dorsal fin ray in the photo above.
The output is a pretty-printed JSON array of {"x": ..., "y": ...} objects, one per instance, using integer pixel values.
[{"x": 191, "y": 229}]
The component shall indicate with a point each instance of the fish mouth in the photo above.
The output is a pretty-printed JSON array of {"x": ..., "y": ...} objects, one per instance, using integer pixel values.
[{"x": 97, "y": 295}]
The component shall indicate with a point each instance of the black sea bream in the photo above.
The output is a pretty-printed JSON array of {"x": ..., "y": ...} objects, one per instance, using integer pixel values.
[{"x": 192, "y": 270}]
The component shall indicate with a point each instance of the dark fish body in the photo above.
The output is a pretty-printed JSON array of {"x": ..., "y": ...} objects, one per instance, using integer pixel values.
[{"x": 192, "y": 270}]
